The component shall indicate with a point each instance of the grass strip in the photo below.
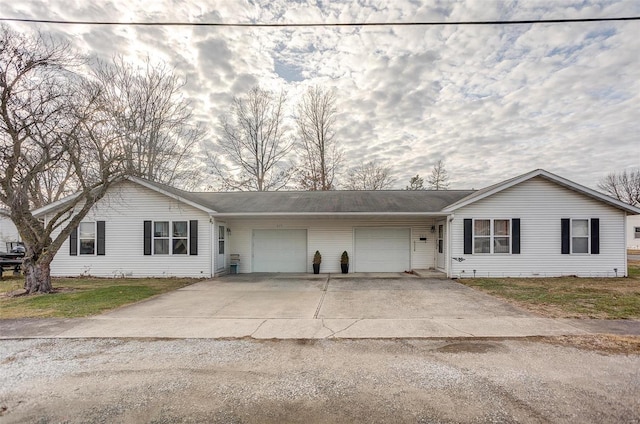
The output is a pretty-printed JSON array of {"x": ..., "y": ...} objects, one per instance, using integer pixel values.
[{"x": 81, "y": 297}]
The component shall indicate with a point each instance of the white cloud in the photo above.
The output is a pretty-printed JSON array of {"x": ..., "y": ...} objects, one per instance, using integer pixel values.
[{"x": 492, "y": 101}]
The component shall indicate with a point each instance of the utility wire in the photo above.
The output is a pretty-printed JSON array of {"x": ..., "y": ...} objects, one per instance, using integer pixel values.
[{"x": 337, "y": 24}]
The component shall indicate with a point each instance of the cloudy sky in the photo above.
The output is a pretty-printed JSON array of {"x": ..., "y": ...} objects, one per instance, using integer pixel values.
[{"x": 491, "y": 101}]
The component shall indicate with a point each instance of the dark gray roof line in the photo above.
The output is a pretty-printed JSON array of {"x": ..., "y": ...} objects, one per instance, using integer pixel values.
[{"x": 320, "y": 202}]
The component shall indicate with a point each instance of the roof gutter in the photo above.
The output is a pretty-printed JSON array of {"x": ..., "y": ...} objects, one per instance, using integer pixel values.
[{"x": 328, "y": 214}]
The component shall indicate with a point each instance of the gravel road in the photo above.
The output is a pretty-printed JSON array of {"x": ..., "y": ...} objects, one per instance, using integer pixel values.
[{"x": 372, "y": 381}]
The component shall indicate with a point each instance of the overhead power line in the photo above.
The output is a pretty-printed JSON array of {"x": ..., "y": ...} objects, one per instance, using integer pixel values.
[{"x": 336, "y": 24}]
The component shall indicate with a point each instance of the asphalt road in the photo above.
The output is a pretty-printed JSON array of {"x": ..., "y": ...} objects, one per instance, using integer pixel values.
[{"x": 321, "y": 381}]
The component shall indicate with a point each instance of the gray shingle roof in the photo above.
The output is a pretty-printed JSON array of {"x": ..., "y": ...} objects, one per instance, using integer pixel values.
[{"x": 337, "y": 201}]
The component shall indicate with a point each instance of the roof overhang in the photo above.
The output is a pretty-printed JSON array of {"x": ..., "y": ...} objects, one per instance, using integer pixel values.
[
  {"x": 328, "y": 214},
  {"x": 167, "y": 193},
  {"x": 59, "y": 203},
  {"x": 551, "y": 177}
]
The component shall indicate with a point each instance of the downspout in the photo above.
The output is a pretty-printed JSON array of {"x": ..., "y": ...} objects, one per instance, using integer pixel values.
[
  {"x": 626, "y": 257},
  {"x": 449, "y": 252},
  {"x": 212, "y": 255}
]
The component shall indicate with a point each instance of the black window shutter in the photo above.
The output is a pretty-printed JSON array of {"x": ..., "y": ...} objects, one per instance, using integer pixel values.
[
  {"x": 73, "y": 242},
  {"x": 565, "y": 222},
  {"x": 100, "y": 231},
  {"x": 468, "y": 236},
  {"x": 193, "y": 237},
  {"x": 515, "y": 236},
  {"x": 595, "y": 236},
  {"x": 147, "y": 237}
]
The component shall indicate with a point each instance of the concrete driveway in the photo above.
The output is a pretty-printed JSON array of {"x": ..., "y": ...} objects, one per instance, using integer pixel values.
[
  {"x": 304, "y": 296},
  {"x": 307, "y": 306}
]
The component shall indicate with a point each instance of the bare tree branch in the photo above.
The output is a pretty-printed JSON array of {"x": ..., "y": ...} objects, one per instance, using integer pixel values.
[
  {"x": 154, "y": 119},
  {"x": 54, "y": 129},
  {"x": 439, "y": 178},
  {"x": 254, "y": 143},
  {"x": 369, "y": 176},
  {"x": 624, "y": 186},
  {"x": 415, "y": 183},
  {"x": 317, "y": 146}
]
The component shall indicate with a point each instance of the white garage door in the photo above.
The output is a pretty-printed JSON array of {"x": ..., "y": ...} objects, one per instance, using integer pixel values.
[
  {"x": 383, "y": 249},
  {"x": 279, "y": 250}
]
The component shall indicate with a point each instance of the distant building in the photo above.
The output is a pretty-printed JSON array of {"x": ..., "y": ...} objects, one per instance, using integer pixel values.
[
  {"x": 8, "y": 230},
  {"x": 633, "y": 232}
]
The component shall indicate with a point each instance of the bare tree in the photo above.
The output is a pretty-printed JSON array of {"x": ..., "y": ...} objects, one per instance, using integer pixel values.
[
  {"x": 154, "y": 119},
  {"x": 369, "y": 176},
  {"x": 439, "y": 179},
  {"x": 53, "y": 130},
  {"x": 415, "y": 183},
  {"x": 254, "y": 143},
  {"x": 624, "y": 186},
  {"x": 317, "y": 145}
]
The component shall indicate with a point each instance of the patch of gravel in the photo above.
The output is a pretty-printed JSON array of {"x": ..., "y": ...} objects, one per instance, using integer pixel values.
[{"x": 374, "y": 381}]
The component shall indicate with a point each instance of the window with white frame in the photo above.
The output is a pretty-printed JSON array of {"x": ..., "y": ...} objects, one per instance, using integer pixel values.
[
  {"x": 87, "y": 238},
  {"x": 492, "y": 236},
  {"x": 161, "y": 238},
  {"x": 579, "y": 236},
  {"x": 636, "y": 232},
  {"x": 180, "y": 237},
  {"x": 170, "y": 237}
]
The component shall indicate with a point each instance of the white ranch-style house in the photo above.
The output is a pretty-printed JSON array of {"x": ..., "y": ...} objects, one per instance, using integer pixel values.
[{"x": 536, "y": 224}]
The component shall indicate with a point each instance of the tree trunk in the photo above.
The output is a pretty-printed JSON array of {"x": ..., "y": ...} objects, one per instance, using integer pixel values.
[{"x": 37, "y": 276}]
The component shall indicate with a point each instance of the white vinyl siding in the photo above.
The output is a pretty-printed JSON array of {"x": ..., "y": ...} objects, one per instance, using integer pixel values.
[
  {"x": 382, "y": 249},
  {"x": 540, "y": 205},
  {"x": 331, "y": 237},
  {"x": 124, "y": 210}
]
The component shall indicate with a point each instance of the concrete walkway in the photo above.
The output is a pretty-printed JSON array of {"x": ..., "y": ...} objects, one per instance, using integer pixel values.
[
  {"x": 182, "y": 328},
  {"x": 305, "y": 306}
]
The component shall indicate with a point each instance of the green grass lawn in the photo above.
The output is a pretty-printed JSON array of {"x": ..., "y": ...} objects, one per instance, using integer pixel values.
[
  {"x": 570, "y": 297},
  {"x": 81, "y": 297}
]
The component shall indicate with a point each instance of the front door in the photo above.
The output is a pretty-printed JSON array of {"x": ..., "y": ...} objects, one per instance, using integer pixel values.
[
  {"x": 440, "y": 248},
  {"x": 222, "y": 247}
]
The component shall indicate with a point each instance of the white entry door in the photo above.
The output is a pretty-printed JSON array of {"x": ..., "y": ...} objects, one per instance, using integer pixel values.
[
  {"x": 382, "y": 249},
  {"x": 440, "y": 246},
  {"x": 222, "y": 247},
  {"x": 279, "y": 250}
]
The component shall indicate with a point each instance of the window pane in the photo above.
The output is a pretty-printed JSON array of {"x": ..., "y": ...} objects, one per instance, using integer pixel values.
[
  {"x": 501, "y": 245},
  {"x": 161, "y": 229},
  {"x": 580, "y": 244},
  {"x": 87, "y": 247},
  {"x": 221, "y": 247},
  {"x": 161, "y": 247},
  {"x": 482, "y": 245},
  {"x": 637, "y": 232},
  {"x": 580, "y": 228},
  {"x": 179, "y": 246},
  {"x": 440, "y": 231},
  {"x": 180, "y": 229},
  {"x": 482, "y": 227},
  {"x": 87, "y": 230},
  {"x": 221, "y": 232},
  {"x": 501, "y": 227}
]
